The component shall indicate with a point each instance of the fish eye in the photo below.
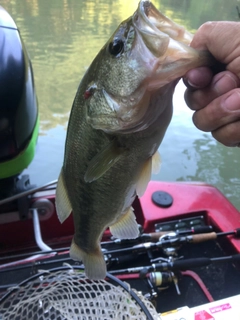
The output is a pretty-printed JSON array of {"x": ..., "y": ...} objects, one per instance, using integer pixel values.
[{"x": 116, "y": 47}]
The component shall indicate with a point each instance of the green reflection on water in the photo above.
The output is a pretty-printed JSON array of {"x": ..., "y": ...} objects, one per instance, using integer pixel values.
[{"x": 63, "y": 37}]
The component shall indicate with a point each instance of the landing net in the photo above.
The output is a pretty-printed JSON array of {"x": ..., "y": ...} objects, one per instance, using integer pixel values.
[{"x": 65, "y": 293}]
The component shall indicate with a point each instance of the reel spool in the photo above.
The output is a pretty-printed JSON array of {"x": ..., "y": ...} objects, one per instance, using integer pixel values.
[{"x": 65, "y": 293}]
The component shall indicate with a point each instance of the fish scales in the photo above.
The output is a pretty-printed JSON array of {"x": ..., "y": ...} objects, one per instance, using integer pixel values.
[
  {"x": 119, "y": 116},
  {"x": 113, "y": 188}
]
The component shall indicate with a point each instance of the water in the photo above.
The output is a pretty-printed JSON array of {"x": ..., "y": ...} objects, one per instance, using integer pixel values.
[{"x": 62, "y": 38}]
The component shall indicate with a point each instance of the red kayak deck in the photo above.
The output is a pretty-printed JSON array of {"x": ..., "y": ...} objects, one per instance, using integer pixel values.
[
  {"x": 188, "y": 200},
  {"x": 165, "y": 206}
]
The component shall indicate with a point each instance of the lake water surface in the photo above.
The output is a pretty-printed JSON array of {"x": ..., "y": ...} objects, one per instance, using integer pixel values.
[{"x": 63, "y": 37}]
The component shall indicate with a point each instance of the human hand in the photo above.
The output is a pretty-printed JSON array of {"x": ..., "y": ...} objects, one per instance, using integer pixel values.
[{"x": 216, "y": 98}]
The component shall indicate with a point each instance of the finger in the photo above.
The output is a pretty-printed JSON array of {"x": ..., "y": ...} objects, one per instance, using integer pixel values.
[
  {"x": 198, "y": 78},
  {"x": 229, "y": 135},
  {"x": 221, "y": 111},
  {"x": 221, "y": 83}
]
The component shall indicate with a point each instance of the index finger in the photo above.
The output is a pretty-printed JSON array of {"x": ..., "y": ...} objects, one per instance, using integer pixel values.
[
  {"x": 221, "y": 83},
  {"x": 198, "y": 78}
]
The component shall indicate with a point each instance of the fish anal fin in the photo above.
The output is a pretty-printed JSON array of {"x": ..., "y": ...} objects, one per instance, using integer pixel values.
[
  {"x": 63, "y": 205},
  {"x": 156, "y": 162},
  {"x": 126, "y": 227},
  {"x": 144, "y": 177},
  {"x": 94, "y": 263},
  {"x": 103, "y": 161}
]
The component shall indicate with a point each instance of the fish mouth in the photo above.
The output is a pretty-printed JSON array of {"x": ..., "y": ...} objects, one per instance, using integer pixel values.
[
  {"x": 157, "y": 31},
  {"x": 168, "y": 43},
  {"x": 152, "y": 21}
]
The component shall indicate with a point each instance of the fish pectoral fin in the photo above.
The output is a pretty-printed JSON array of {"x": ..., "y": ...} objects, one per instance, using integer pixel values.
[
  {"x": 94, "y": 263},
  {"x": 144, "y": 177},
  {"x": 103, "y": 161},
  {"x": 156, "y": 162},
  {"x": 63, "y": 205},
  {"x": 126, "y": 227}
]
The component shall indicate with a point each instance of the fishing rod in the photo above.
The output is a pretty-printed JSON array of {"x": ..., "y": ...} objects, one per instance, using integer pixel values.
[
  {"x": 27, "y": 193},
  {"x": 154, "y": 236},
  {"x": 194, "y": 231},
  {"x": 144, "y": 237},
  {"x": 162, "y": 266},
  {"x": 170, "y": 239},
  {"x": 177, "y": 265},
  {"x": 146, "y": 241},
  {"x": 159, "y": 274},
  {"x": 35, "y": 265}
]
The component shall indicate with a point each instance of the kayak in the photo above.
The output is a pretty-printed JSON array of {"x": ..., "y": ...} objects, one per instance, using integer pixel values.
[{"x": 187, "y": 253}]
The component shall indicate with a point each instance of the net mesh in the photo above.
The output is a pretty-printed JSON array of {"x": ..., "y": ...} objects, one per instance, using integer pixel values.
[{"x": 70, "y": 295}]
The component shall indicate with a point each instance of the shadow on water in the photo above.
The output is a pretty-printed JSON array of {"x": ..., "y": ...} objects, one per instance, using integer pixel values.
[{"x": 64, "y": 36}]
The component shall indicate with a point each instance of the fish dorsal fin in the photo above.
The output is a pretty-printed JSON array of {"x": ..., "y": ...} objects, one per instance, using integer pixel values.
[
  {"x": 103, "y": 161},
  {"x": 126, "y": 227},
  {"x": 156, "y": 162},
  {"x": 63, "y": 205},
  {"x": 144, "y": 177}
]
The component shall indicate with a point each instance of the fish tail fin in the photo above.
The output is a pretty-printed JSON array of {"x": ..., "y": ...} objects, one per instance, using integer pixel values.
[{"x": 94, "y": 263}]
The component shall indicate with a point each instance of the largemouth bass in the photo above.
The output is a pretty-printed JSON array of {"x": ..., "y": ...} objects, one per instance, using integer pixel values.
[{"x": 120, "y": 113}]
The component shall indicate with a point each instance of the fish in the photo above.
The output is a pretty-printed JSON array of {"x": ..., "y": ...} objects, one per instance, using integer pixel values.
[{"x": 118, "y": 119}]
